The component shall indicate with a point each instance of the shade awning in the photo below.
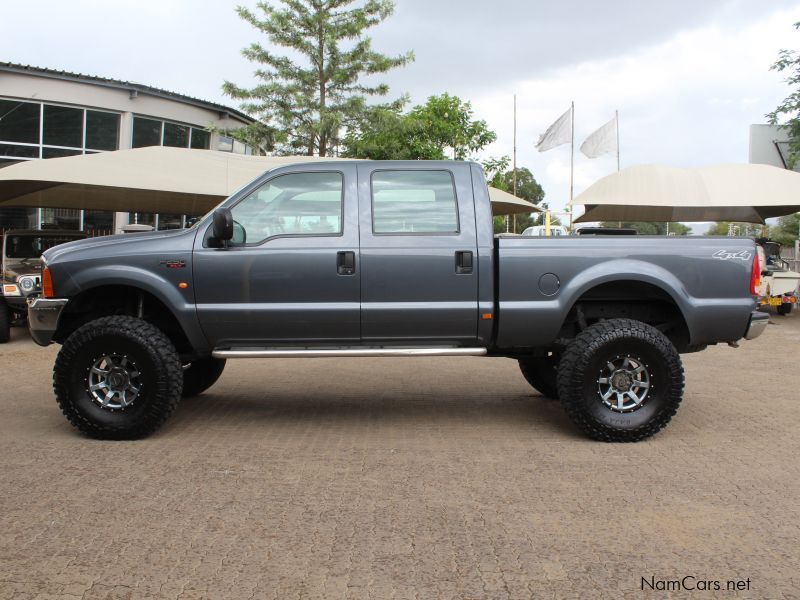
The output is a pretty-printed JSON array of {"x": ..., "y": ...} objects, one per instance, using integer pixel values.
[
  {"x": 729, "y": 192},
  {"x": 156, "y": 180},
  {"x": 504, "y": 203}
]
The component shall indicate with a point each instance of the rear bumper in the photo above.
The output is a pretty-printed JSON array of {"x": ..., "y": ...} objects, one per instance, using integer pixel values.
[
  {"x": 757, "y": 325},
  {"x": 43, "y": 315}
]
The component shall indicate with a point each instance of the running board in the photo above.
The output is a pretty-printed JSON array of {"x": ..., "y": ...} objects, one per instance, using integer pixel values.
[{"x": 353, "y": 352}]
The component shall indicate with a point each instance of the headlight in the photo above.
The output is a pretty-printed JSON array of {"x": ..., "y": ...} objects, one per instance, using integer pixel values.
[
  {"x": 28, "y": 284},
  {"x": 9, "y": 289}
]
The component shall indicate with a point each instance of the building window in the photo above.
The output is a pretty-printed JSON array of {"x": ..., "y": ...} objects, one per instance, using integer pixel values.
[
  {"x": 19, "y": 121},
  {"x": 146, "y": 132},
  {"x": 410, "y": 202},
  {"x": 63, "y": 126},
  {"x": 176, "y": 136},
  {"x": 102, "y": 130},
  {"x": 201, "y": 139},
  {"x": 31, "y": 130},
  {"x": 98, "y": 221},
  {"x": 225, "y": 144},
  {"x": 152, "y": 132}
]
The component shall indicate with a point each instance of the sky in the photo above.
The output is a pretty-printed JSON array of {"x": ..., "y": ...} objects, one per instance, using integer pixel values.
[{"x": 687, "y": 77}]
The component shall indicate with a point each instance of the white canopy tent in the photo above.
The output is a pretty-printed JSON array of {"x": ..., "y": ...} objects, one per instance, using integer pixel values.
[
  {"x": 730, "y": 192},
  {"x": 155, "y": 179}
]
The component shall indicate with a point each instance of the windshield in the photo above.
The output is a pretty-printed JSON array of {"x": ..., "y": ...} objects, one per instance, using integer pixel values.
[{"x": 32, "y": 246}]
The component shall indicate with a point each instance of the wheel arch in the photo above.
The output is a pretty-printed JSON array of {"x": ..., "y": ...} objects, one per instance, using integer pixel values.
[
  {"x": 141, "y": 301},
  {"x": 635, "y": 296}
]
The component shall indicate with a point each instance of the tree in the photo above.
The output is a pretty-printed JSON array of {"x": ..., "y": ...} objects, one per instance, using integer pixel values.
[
  {"x": 651, "y": 227},
  {"x": 787, "y": 230},
  {"x": 790, "y": 107},
  {"x": 441, "y": 127},
  {"x": 310, "y": 100}
]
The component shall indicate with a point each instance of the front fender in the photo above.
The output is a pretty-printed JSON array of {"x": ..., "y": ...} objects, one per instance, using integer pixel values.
[{"x": 163, "y": 287}]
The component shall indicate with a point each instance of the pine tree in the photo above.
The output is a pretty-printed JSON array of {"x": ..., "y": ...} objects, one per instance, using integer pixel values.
[{"x": 309, "y": 102}]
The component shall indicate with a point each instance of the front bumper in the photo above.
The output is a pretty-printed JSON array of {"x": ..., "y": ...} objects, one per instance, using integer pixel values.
[
  {"x": 757, "y": 325},
  {"x": 43, "y": 315}
]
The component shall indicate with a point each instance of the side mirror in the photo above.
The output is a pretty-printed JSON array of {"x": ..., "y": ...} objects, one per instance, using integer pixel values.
[{"x": 223, "y": 225}]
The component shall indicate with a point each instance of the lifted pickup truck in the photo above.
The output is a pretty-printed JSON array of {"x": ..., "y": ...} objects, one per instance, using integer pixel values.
[{"x": 355, "y": 259}]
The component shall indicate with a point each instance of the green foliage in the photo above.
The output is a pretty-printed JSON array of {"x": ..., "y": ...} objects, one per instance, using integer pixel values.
[
  {"x": 789, "y": 108},
  {"x": 786, "y": 231},
  {"x": 312, "y": 99},
  {"x": 426, "y": 132},
  {"x": 651, "y": 228}
]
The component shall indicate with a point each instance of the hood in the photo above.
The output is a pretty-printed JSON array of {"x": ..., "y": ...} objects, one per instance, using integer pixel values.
[
  {"x": 18, "y": 267},
  {"x": 118, "y": 244}
]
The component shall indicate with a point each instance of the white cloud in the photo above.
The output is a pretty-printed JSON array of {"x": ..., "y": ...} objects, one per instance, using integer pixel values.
[{"x": 687, "y": 101}]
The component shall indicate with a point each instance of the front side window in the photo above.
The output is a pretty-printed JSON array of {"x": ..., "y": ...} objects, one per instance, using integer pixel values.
[
  {"x": 292, "y": 204},
  {"x": 410, "y": 202}
]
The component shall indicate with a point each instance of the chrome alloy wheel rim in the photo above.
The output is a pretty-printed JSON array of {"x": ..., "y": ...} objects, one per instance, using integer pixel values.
[
  {"x": 114, "y": 381},
  {"x": 624, "y": 383}
]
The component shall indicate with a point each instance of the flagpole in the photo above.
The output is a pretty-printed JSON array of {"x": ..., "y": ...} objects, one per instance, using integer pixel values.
[
  {"x": 571, "y": 160},
  {"x": 514, "y": 168},
  {"x": 616, "y": 120}
]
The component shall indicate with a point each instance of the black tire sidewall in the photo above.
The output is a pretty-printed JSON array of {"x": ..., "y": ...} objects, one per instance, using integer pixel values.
[{"x": 155, "y": 358}]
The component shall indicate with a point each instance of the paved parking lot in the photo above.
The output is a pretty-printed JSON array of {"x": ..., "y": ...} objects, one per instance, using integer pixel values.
[{"x": 414, "y": 478}]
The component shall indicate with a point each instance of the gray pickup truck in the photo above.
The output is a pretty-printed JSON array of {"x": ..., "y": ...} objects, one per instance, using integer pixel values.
[{"x": 395, "y": 259}]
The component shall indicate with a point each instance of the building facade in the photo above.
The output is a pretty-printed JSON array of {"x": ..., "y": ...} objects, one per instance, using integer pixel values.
[{"x": 50, "y": 114}]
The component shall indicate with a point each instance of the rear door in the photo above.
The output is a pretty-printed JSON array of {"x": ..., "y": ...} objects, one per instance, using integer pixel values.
[{"x": 419, "y": 276}]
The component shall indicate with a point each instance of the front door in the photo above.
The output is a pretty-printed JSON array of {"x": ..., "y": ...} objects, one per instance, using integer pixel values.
[
  {"x": 295, "y": 278},
  {"x": 419, "y": 273}
]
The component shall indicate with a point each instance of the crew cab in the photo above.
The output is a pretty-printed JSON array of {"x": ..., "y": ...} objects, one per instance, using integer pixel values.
[{"x": 394, "y": 259}]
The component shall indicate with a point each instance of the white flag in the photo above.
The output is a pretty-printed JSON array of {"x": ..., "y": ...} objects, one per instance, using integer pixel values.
[
  {"x": 558, "y": 133},
  {"x": 601, "y": 141}
]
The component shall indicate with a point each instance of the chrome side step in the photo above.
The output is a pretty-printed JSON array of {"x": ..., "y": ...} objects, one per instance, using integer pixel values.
[{"x": 352, "y": 352}]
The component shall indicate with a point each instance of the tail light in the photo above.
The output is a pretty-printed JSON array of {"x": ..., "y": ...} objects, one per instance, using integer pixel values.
[
  {"x": 755, "y": 276},
  {"x": 47, "y": 284}
]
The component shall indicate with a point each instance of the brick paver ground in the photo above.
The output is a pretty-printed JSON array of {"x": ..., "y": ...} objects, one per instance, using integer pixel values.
[{"x": 412, "y": 478}]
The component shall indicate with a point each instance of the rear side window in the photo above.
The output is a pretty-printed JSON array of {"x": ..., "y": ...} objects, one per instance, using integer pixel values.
[{"x": 411, "y": 202}]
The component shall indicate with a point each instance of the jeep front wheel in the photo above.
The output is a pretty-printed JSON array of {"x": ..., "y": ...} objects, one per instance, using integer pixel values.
[
  {"x": 620, "y": 380},
  {"x": 117, "y": 378}
]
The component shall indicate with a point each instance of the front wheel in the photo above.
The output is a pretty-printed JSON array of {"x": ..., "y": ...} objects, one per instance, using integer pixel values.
[
  {"x": 620, "y": 380},
  {"x": 117, "y": 378}
]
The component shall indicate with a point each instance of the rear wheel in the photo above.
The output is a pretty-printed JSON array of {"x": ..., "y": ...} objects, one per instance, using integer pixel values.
[
  {"x": 784, "y": 309},
  {"x": 620, "y": 380},
  {"x": 117, "y": 378},
  {"x": 201, "y": 374},
  {"x": 5, "y": 322},
  {"x": 540, "y": 373}
]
